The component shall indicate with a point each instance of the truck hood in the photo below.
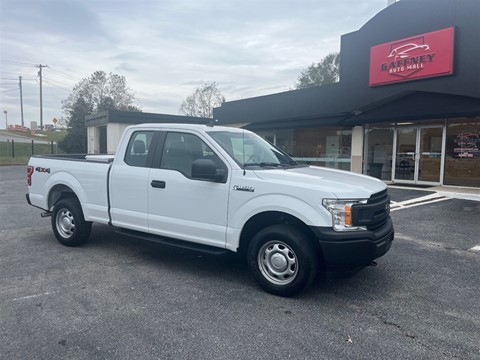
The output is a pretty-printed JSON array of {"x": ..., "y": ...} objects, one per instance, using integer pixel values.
[{"x": 342, "y": 184}]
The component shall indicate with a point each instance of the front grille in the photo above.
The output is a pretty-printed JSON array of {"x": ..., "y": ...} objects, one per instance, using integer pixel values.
[
  {"x": 374, "y": 213},
  {"x": 376, "y": 226},
  {"x": 378, "y": 197}
]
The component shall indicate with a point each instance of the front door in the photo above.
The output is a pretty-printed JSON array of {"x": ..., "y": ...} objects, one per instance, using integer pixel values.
[
  {"x": 180, "y": 206},
  {"x": 418, "y": 155}
]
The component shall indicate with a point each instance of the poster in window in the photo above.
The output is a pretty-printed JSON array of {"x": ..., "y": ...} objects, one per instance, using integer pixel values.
[{"x": 467, "y": 145}]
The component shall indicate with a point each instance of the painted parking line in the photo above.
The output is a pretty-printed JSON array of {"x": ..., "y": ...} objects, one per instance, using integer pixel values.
[
  {"x": 31, "y": 296},
  {"x": 423, "y": 200}
]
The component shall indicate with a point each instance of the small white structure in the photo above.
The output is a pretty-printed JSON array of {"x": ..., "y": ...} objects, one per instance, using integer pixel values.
[{"x": 105, "y": 128}]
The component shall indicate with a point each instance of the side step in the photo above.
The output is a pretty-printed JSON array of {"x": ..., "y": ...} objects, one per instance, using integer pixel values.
[{"x": 171, "y": 242}]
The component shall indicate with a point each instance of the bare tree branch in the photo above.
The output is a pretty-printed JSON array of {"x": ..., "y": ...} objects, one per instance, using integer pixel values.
[{"x": 202, "y": 101}]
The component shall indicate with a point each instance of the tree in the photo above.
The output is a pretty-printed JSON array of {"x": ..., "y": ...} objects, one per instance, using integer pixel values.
[
  {"x": 326, "y": 71},
  {"x": 76, "y": 139},
  {"x": 96, "y": 93},
  {"x": 202, "y": 101}
]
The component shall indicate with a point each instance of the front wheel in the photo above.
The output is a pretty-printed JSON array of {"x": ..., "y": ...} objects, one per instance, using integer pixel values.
[
  {"x": 68, "y": 223},
  {"x": 282, "y": 259}
]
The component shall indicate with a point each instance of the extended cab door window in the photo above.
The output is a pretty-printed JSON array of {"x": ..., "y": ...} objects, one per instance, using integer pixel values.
[
  {"x": 139, "y": 151},
  {"x": 180, "y": 150}
]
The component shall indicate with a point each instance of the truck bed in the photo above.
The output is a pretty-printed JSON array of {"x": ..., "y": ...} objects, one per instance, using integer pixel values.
[{"x": 86, "y": 174}]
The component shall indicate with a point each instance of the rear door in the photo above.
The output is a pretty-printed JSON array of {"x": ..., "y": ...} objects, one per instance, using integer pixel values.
[
  {"x": 129, "y": 182},
  {"x": 180, "y": 206}
]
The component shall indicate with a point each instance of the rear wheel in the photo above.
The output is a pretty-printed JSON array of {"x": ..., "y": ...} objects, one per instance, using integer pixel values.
[
  {"x": 68, "y": 223},
  {"x": 282, "y": 259}
]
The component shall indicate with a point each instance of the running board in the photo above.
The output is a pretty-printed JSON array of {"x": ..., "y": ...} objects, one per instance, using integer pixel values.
[{"x": 171, "y": 242}]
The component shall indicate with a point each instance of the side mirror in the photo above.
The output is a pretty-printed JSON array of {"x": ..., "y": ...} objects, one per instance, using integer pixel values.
[{"x": 205, "y": 169}]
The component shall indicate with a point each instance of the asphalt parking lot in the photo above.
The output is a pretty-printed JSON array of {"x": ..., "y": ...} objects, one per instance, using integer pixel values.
[{"x": 121, "y": 298}]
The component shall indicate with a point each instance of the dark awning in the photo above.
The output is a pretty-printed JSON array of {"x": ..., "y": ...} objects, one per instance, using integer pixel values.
[{"x": 415, "y": 105}]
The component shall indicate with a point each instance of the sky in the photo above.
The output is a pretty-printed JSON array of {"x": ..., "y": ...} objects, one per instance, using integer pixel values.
[{"x": 164, "y": 48}]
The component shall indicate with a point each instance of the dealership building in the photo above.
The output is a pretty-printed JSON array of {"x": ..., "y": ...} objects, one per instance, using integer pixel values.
[{"x": 406, "y": 109}]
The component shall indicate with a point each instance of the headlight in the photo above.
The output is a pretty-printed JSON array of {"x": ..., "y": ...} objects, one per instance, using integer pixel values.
[{"x": 341, "y": 211}]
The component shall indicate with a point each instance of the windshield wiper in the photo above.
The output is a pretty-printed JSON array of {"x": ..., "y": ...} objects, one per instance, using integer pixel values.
[{"x": 266, "y": 164}]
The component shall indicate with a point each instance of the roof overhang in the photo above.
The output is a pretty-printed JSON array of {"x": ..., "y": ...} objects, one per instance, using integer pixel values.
[{"x": 134, "y": 117}]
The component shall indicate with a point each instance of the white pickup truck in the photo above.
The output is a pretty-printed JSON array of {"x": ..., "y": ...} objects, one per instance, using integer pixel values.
[{"x": 219, "y": 189}]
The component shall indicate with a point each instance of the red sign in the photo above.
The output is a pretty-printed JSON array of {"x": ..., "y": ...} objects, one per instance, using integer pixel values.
[{"x": 418, "y": 57}]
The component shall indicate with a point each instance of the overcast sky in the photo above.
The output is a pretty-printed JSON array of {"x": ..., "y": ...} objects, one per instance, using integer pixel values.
[{"x": 165, "y": 48}]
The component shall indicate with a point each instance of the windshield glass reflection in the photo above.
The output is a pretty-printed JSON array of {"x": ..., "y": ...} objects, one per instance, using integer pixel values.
[{"x": 250, "y": 150}]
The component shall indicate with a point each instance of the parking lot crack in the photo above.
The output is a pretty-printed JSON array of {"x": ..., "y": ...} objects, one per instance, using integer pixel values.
[
  {"x": 411, "y": 335},
  {"x": 414, "y": 337},
  {"x": 399, "y": 328},
  {"x": 432, "y": 244}
]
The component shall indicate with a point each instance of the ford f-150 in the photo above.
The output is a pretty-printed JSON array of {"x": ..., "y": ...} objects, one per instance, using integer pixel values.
[{"x": 218, "y": 189}]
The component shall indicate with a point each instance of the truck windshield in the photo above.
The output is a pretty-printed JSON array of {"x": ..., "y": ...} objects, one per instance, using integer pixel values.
[{"x": 250, "y": 150}]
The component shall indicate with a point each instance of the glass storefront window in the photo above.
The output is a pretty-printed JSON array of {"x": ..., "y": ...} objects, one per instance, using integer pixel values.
[
  {"x": 378, "y": 148},
  {"x": 329, "y": 147},
  {"x": 462, "y": 152}
]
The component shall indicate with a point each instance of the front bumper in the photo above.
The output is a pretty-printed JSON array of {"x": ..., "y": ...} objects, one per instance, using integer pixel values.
[{"x": 348, "y": 252}]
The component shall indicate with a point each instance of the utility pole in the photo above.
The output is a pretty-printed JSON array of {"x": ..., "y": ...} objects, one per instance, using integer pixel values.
[
  {"x": 21, "y": 98},
  {"x": 40, "y": 66},
  {"x": 6, "y": 119}
]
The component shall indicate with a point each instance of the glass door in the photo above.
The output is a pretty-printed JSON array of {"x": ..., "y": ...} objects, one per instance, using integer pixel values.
[
  {"x": 430, "y": 154},
  {"x": 418, "y": 154},
  {"x": 406, "y": 149}
]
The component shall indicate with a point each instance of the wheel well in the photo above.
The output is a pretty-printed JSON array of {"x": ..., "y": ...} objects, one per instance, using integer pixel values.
[
  {"x": 59, "y": 192},
  {"x": 268, "y": 218}
]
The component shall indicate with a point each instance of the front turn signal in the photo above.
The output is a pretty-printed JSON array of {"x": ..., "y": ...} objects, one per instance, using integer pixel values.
[{"x": 348, "y": 215}]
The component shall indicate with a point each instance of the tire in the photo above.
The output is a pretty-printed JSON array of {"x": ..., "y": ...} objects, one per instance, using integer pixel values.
[
  {"x": 283, "y": 260},
  {"x": 68, "y": 223}
]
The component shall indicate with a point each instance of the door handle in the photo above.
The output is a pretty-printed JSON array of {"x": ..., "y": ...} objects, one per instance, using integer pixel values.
[{"x": 158, "y": 184}]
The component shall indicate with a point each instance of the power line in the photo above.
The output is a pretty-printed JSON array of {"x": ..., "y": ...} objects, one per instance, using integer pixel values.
[
  {"x": 60, "y": 87},
  {"x": 8, "y": 72},
  {"x": 12, "y": 73},
  {"x": 64, "y": 75},
  {"x": 12, "y": 79},
  {"x": 57, "y": 83},
  {"x": 5, "y": 91},
  {"x": 16, "y": 63}
]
